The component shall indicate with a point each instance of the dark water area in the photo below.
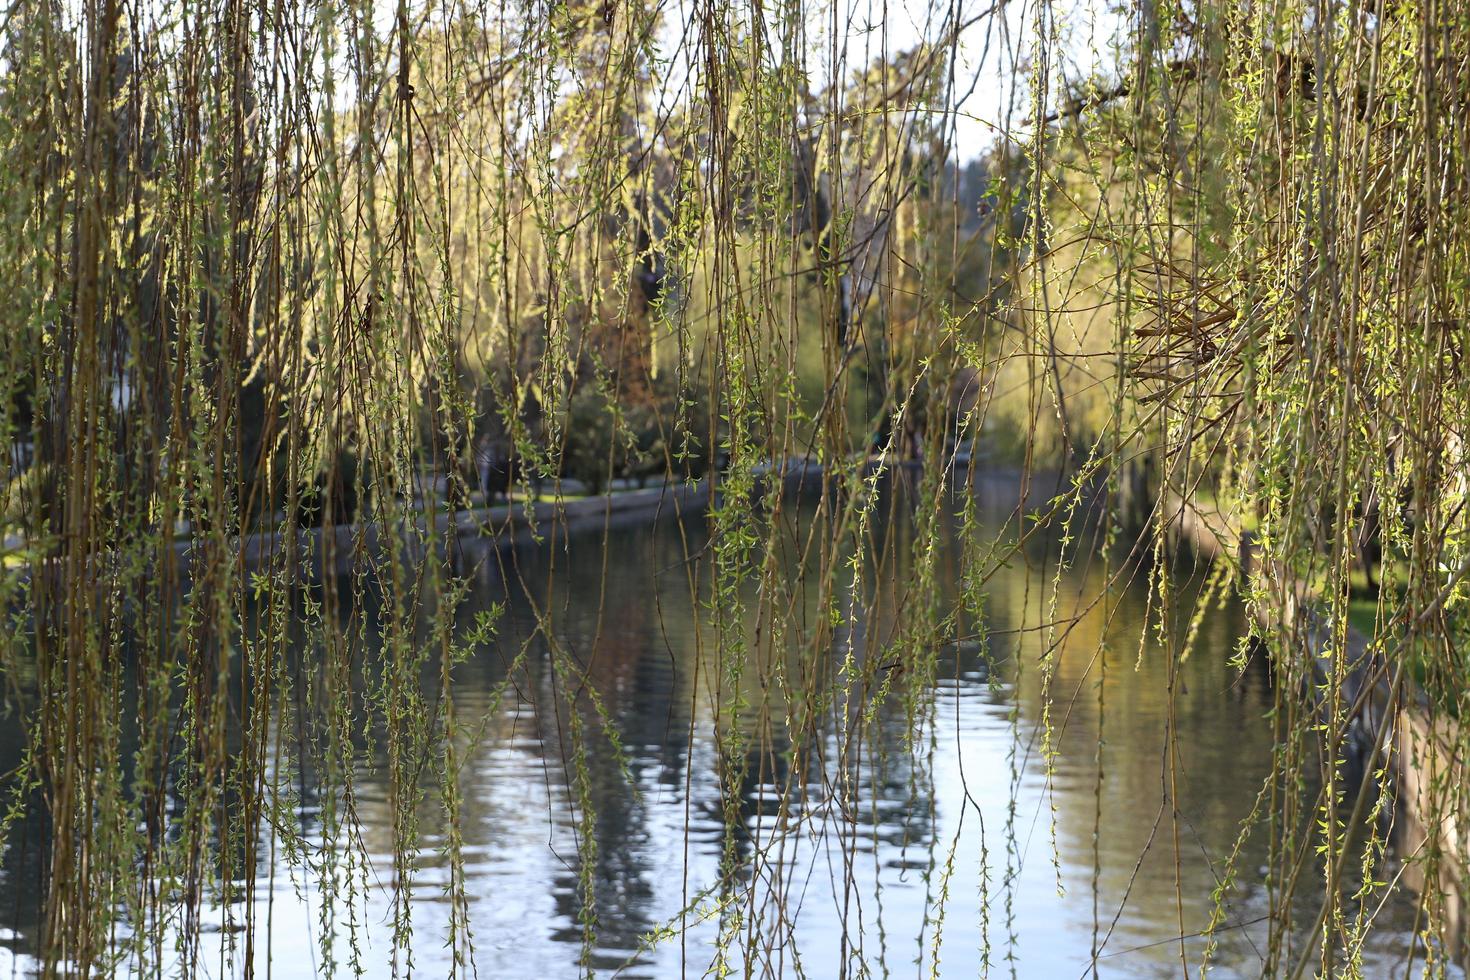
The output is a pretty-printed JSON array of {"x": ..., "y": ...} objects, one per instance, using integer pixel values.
[{"x": 949, "y": 842}]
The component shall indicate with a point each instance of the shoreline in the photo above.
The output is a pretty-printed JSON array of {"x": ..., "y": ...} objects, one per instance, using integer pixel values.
[{"x": 1419, "y": 746}]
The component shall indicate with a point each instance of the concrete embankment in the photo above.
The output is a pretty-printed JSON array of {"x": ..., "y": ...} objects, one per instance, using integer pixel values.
[
  {"x": 1423, "y": 749},
  {"x": 470, "y": 531},
  {"x": 524, "y": 522},
  {"x": 521, "y": 522}
]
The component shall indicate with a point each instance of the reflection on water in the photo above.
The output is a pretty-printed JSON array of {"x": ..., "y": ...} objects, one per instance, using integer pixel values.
[{"x": 954, "y": 847}]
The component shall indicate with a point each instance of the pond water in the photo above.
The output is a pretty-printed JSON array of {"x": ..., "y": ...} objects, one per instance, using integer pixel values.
[{"x": 955, "y": 847}]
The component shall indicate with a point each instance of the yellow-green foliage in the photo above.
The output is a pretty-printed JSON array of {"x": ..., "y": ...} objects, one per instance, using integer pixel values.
[{"x": 272, "y": 269}]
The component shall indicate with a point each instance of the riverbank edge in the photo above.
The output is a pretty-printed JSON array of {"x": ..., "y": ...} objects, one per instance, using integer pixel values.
[
  {"x": 522, "y": 522},
  {"x": 1422, "y": 748},
  {"x": 469, "y": 531}
]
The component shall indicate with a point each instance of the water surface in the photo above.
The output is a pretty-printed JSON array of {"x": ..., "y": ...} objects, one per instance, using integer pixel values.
[{"x": 946, "y": 841}]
